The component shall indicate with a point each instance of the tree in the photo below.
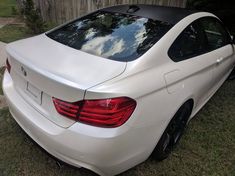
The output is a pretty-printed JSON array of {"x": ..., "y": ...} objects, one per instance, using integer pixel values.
[
  {"x": 34, "y": 20},
  {"x": 224, "y": 9}
]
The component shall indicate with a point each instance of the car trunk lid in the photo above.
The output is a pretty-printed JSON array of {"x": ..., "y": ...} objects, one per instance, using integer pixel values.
[{"x": 43, "y": 68}]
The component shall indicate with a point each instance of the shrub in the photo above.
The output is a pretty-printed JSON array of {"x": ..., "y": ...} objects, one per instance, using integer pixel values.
[
  {"x": 33, "y": 17},
  {"x": 14, "y": 11}
]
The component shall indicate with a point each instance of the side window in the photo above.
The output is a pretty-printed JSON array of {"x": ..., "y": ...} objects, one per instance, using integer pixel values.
[
  {"x": 190, "y": 43},
  {"x": 216, "y": 34}
]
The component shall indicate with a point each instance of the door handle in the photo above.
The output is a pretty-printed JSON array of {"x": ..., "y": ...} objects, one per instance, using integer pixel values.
[{"x": 218, "y": 61}]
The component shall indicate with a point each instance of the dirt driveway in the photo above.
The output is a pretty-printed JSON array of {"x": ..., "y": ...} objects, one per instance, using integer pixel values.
[{"x": 5, "y": 21}]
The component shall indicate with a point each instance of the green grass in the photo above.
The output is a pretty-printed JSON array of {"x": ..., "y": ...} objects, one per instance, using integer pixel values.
[
  {"x": 6, "y": 7},
  {"x": 207, "y": 148},
  {"x": 11, "y": 32}
]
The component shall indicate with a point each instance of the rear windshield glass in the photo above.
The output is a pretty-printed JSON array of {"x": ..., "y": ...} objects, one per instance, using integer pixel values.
[{"x": 114, "y": 36}]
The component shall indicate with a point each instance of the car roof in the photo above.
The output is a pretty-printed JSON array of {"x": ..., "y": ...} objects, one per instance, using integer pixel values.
[{"x": 162, "y": 13}]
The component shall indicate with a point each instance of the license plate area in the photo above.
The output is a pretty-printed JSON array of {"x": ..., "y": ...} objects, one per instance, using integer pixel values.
[{"x": 34, "y": 93}]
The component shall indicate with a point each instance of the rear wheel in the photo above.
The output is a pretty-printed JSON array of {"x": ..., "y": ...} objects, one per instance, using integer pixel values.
[{"x": 173, "y": 133}]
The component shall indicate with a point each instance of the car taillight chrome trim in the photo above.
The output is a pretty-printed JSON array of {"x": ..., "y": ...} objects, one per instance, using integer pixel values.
[{"x": 108, "y": 113}]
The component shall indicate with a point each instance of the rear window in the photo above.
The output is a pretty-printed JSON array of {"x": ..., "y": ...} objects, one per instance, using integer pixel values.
[{"x": 114, "y": 36}]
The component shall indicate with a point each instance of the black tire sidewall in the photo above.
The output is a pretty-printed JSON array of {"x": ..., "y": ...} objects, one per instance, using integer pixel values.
[{"x": 160, "y": 154}]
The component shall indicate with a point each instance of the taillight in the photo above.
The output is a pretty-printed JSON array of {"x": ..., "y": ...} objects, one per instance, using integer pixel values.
[
  {"x": 107, "y": 113},
  {"x": 67, "y": 109},
  {"x": 8, "y": 66}
]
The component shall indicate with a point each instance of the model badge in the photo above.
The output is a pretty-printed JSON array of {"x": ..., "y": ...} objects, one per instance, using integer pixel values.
[{"x": 23, "y": 71}]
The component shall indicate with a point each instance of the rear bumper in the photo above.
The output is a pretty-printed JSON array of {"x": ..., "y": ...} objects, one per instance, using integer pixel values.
[{"x": 104, "y": 151}]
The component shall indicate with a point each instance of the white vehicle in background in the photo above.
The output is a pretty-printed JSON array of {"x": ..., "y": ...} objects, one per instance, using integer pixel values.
[{"x": 109, "y": 89}]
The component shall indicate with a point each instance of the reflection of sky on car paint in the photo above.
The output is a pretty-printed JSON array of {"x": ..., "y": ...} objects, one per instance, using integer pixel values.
[{"x": 113, "y": 44}]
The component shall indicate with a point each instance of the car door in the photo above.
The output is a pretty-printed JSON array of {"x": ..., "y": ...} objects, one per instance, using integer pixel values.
[
  {"x": 219, "y": 47},
  {"x": 192, "y": 61}
]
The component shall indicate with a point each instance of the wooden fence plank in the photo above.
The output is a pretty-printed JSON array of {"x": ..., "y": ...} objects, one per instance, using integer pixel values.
[{"x": 59, "y": 11}]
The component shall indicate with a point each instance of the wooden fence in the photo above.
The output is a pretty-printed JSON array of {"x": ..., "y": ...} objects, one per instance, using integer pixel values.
[{"x": 59, "y": 11}]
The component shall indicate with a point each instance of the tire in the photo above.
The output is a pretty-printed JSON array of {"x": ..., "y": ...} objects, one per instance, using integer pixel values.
[
  {"x": 172, "y": 133},
  {"x": 232, "y": 75}
]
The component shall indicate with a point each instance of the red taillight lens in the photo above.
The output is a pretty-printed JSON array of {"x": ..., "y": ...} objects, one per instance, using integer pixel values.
[
  {"x": 67, "y": 109},
  {"x": 103, "y": 113},
  {"x": 107, "y": 113},
  {"x": 8, "y": 66}
]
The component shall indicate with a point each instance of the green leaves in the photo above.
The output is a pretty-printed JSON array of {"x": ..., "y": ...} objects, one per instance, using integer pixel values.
[{"x": 33, "y": 17}]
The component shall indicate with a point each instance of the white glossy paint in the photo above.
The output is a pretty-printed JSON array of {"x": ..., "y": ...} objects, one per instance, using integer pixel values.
[{"x": 159, "y": 85}]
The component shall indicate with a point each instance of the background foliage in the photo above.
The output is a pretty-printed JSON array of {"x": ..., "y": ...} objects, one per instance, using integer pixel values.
[
  {"x": 6, "y": 8},
  {"x": 33, "y": 17},
  {"x": 224, "y": 9}
]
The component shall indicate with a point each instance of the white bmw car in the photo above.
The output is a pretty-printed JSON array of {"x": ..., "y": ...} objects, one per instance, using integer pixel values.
[{"x": 109, "y": 89}]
